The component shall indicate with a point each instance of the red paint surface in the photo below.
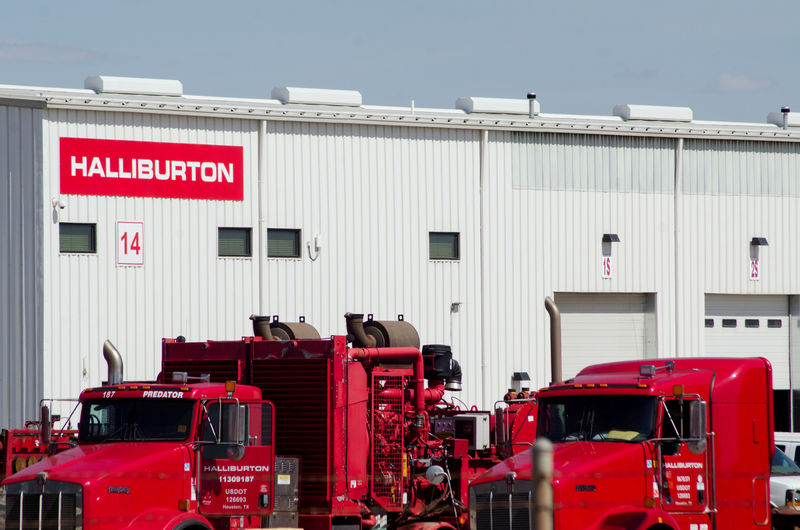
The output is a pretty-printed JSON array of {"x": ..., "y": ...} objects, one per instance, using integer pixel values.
[{"x": 151, "y": 169}]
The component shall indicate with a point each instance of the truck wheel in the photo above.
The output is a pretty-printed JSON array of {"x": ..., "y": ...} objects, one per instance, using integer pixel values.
[{"x": 192, "y": 525}]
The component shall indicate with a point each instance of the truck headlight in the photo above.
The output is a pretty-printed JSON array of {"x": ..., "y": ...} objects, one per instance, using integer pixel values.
[{"x": 793, "y": 499}]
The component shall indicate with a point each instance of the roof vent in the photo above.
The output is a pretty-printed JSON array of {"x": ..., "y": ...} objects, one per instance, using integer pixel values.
[
  {"x": 104, "y": 84},
  {"x": 653, "y": 113},
  {"x": 496, "y": 105},
  {"x": 317, "y": 96},
  {"x": 785, "y": 118}
]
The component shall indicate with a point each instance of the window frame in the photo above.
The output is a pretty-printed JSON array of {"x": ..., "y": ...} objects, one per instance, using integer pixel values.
[
  {"x": 92, "y": 238},
  {"x": 457, "y": 245},
  {"x": 297, "y": 240},
  {"x": 248, "y": 243}
]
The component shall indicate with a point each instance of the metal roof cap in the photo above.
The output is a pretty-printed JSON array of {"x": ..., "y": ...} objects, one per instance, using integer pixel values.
[
  {"x": 776, "y": 118},
  {"x": 653, "y": 113},
  {"x": 317, "y": 96},
  {"x": 104, "y": 84},
  {"x": 495, "y": 105}
]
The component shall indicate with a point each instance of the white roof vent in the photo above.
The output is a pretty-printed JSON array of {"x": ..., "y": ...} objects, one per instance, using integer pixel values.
[
  {"x": 496, "y": 105},
  {"x": 784, "y": 118},
  {"x": 104, "y": 84},
  {"x": 317, "y": 96},
  {"x": 653, "y": 113}
]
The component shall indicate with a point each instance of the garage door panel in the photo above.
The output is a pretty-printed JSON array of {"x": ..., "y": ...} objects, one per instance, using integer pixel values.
[
  {"x": 599, "y": 327},
  {"x": 748, "y": 326}
]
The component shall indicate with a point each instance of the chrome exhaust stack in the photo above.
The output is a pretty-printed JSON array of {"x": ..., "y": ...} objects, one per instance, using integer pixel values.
[
  {"x": 114, "y": 362},
  {"x": 555, "y": 339}
]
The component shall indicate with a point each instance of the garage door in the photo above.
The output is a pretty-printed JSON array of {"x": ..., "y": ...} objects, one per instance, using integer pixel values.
[
  {"x": 744, "y": 326},
  {"x": 598, "y": 328}
]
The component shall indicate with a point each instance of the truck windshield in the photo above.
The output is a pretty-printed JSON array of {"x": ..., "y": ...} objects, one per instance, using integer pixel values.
[
  {"x": 139, "y": 420},
  {"x": 597, "y": 418}
]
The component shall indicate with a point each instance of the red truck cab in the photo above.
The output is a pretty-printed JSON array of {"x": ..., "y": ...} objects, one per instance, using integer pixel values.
[
  {"x": 655, "y": 445},
  {"x": 160, "y": 456}
]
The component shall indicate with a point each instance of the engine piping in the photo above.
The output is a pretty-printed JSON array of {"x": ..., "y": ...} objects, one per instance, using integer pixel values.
[
  {"x": 355, "y": 327},
  {"x": 261, "y": 327},
  {"x": 433, "y": 394},
  {"x": 397, "y": 355}
]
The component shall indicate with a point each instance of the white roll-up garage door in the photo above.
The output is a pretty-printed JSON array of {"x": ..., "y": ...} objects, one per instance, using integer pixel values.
[
  {"x": 750, "y": 325},
  {"x": 600, "y": 327}
]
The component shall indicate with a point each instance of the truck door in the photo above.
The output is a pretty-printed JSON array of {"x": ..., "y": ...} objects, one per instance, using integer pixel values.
[
  {"x": 236, "y": 459},
  {"x": 683, "y": 470}
]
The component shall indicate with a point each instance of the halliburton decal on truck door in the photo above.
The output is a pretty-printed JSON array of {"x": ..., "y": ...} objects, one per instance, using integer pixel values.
[{"x": 151, "y": 169}]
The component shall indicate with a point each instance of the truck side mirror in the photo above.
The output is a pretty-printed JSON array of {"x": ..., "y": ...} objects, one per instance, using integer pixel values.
[
  {"x": 235, "y": 431},
  {"x": 697, "y": 427},
  {"x": 45, "y": 427}
]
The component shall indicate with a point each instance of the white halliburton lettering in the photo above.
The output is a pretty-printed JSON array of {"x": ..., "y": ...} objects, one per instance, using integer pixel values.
[
  {"x": 162, "y": 394},
  {"x": 146, "y": 169},
  {"x": 234, "y": 469}
]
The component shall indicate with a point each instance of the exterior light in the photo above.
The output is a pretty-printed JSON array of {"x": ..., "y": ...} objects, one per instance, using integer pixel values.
[
  {"x": 610, "y": 238},
  {"x": 759, "y": 242}
]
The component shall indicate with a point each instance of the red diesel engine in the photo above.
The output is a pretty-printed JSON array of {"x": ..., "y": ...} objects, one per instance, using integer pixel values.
[{"x": 376, "y": 445}]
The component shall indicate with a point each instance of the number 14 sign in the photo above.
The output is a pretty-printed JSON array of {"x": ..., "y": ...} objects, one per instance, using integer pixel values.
[{"x": 129, "y": 243}]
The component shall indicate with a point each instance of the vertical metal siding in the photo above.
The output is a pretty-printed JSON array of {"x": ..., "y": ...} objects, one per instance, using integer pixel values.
[
  {"x": 183, "y": 287},
  {"x": 372, "y": 194},
  {"x": 20, "y": 264},
  {"x": 732, "y": 192},
  {"x": 554, "y": 197}
]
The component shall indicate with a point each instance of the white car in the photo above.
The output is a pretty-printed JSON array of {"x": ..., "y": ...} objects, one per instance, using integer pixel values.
[{"x": 784, "y": 491}]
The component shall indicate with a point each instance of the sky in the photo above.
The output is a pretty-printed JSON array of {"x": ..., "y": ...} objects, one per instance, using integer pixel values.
[{"x": 730, "y": 61}]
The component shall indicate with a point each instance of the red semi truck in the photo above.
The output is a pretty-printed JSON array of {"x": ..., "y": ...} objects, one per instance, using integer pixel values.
[
  {"x": 646, "y": 445},
  {"x": 179, "y": 455},
  {"x": 361, "y": 440}
]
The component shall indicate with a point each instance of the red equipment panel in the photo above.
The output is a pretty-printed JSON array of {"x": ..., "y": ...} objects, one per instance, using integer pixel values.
[
  {"x": 222, "y": 360},
  {"x": 21, "y": 448}
]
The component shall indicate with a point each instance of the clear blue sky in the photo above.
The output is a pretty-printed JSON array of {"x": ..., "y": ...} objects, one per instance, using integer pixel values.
[{"x": 733, "y": 60}]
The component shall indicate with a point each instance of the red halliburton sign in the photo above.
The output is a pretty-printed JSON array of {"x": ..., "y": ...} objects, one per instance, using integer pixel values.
[{"x": 151, "y": 169}]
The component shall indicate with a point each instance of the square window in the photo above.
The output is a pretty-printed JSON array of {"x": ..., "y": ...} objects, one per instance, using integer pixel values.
[
  {"x": 728, "y": 322},
  {"x": 283, "y": 243},
  {"x": 234, "y": 242},
  {"x": 751, "y": 323},
  {"x": 77, "y": 237},
  {"x": 709, "y": 322},
  {"x": 774, "y": 323},
  {"x": 443, "y": 245}
]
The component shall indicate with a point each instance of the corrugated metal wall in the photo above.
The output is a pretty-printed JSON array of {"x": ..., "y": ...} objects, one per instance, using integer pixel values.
[
  {"x": 730, "y": 193},
  {"x": 183, "y": 287},
  {"x": 372, "y": 194},
  {"x": 21, "y": 214},
  {"x": 552, "y": 197},
  {"x": 531, "y": 209}
]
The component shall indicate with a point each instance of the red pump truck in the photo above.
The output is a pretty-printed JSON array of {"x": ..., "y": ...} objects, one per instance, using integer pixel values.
[{"x": 655, "y": 444}]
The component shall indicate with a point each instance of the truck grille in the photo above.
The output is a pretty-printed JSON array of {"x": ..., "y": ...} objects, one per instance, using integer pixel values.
[
  {"x": 496, "y": 508},
  {"x": 59, "y": 507}
]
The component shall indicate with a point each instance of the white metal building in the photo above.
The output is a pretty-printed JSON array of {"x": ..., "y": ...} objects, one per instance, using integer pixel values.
[{"x": 657, "y": 235}]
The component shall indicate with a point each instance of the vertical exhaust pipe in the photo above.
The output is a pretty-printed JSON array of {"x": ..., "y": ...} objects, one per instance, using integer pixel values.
[
  {"x": 114, "y": 361},
  {"x": 355, "y": 327},
  {"x": 555, "y": 339}
]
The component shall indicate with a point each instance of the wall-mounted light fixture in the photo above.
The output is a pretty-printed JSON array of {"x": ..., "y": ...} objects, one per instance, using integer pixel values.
[
  {"x": 759, "y": 242},
  {"x": 610, "y": 238}
]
